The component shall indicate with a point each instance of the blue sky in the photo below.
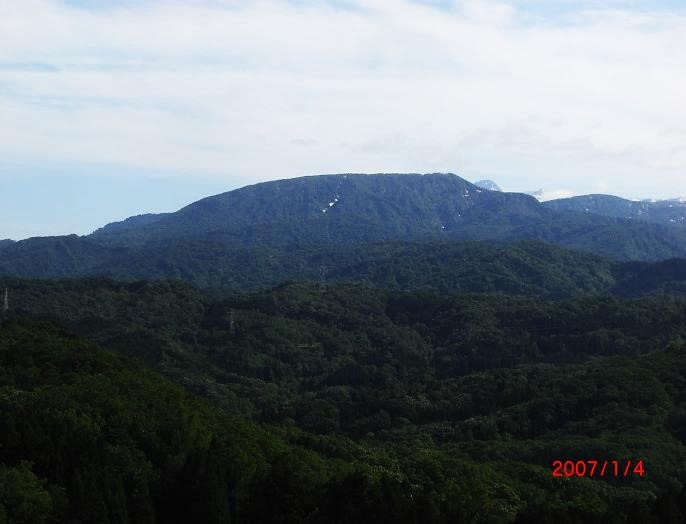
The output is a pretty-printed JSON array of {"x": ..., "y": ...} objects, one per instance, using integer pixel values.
[
  {"x": 63, "y": 199},
  {"x": 115, "y": 108}
]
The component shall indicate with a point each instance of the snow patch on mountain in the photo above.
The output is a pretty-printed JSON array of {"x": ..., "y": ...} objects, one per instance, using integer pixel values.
[{"x": 332, "y": 203}]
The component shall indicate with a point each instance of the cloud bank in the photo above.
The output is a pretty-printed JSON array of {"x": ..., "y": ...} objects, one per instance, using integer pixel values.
[{"x": 531, "y": 94}]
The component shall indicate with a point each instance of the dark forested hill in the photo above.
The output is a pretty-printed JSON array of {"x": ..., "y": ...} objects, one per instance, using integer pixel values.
[
  {"x": 53, "y": 256},
  {"x": 524, "y": 268},
  {"x": 458, "y": 405},
  {"x": 86, "y": 436},
  {"x": 271, "y": 335}
]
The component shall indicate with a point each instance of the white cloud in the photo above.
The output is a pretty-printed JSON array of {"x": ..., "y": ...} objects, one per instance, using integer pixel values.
[
  {"x": 543, "y": 195},
  {"x": 278, "y": 89}
]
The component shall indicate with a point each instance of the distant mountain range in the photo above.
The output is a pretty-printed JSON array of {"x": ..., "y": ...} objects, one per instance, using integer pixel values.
[
  {"x": 397, "y": 230},
  {"x": 667, "y": 212}
]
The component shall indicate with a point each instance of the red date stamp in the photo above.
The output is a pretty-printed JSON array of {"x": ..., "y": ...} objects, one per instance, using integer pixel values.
[{"x": 598, "y": 468}]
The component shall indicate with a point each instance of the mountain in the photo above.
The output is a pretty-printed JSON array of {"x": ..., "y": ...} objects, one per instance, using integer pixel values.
[
  {"x": 487, "y": 184},
  {"x": 352, "y": 208},
  {"x": 416, "y": 375},
  {"x": 359, "y": 227},
  {"x": 666, "y": 212},
  {"x": 345, "y": 208}
]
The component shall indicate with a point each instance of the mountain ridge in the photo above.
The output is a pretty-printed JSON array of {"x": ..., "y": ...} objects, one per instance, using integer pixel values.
[
  {"x": 352, "y": 208},
  {"x": 297, "y": 228},
  {"x": 667, "y": 212},
  {"x": 331, "y": 208}
]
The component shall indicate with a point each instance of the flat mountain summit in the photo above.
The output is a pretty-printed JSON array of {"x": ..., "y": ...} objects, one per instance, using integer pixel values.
[
  {"x": 335, "y": 208},
  {"x": 352, "y": 208}
]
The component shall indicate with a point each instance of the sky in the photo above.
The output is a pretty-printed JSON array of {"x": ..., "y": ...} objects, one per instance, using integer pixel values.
[{"x": 114, "y": 108}]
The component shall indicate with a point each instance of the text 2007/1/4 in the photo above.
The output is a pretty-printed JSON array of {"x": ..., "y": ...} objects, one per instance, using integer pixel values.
[{"x": 598, "y": 468}]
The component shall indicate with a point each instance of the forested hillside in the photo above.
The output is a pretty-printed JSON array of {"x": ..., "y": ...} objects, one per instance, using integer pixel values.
[
  {"x": 347, "y": 208},
  {"x": 523, "y": 268},
  {"x": 89, "y": 437},
  {"x": 462, "y": 402}
]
